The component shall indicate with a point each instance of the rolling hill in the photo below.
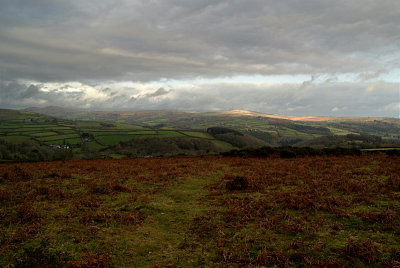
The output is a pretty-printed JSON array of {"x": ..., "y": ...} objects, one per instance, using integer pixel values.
[
  {"x": 28, "y": 136},
  {"x": 272, "y": 129},
  {"x": 57, "y": 133}
]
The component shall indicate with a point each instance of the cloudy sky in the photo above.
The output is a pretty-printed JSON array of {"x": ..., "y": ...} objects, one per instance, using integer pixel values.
[{"x": 289, "y": 57}]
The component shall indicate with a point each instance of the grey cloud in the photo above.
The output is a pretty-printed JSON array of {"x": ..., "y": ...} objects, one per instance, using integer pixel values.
[
  {"x": 324, "y": 98},
  {"x": 98, "y": 41},
  {"x": 159, "y": 92},
  {"x": 30, "y": 92},
  {"x": 150, "y": 40},
  {"x": 106, "y": 90}
]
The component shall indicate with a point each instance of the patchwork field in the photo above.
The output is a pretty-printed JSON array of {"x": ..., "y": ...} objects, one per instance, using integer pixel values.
[
  {"x": 84, "y": 138},
  {"x": 277, "y": 130},
  {"x": 321, "y": 211}
]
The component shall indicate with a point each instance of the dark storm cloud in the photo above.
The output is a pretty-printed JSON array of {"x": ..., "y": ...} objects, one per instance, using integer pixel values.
[{"x": 147, "y": 40}]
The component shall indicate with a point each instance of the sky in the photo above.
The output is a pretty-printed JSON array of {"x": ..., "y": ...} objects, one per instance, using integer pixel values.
[{"x": 286, "y": 57}]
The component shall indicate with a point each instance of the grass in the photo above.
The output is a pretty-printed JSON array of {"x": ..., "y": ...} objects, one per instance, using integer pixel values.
[
  {"x": 123, "y": 132},
  {"x": 74, "y": 141},
  {"x": 113, "y": 139},
  {"x": 52, "y": 142},
  {"x": 337, "y": 131},
  {"x": 179, "y": 212},
  {"x": 50, "y": 131},
  {"x": 163, "y": 238},
  {"x": 43, "y": 134},
  {"x": 169, "y": 134},
  {"x": 94, "y": 145},
  {"x": 16, "y": 138},
  {"x": 58, "y": 137},
  {"x": 202, "y": 135},
  {"x": 129, "y": 126},
  {"x": 223, "y": 146}
]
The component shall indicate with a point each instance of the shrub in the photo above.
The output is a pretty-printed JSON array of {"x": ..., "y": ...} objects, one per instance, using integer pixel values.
[{"x": 239, "y": 183}]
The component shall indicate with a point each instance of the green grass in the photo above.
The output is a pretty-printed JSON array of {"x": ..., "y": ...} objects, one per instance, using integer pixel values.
[
  {"x": 16, "y": 139},
  {"x": 74, "y": 141},
  {"x": 122, "y": 132},
  {"x": 53, "y": 142},
  {"x": 337, "y": 131},
  {"x": 129, "y": 126},
  {"x": 222, "y": 145},
  {"x": 202, "y": 135},
  {"x": 169, "y": 134},
  {"x": 39, "y": 125},
  {"x": 163, "y": 238},
  {"x": 94, "y": 146},
  {"x": 58, "y": 137},
  {"x": 77, "y": 151},
  {"x": 62, "y": 128},
  {"x": 43, "y": 134},
  {"x": 84, "y": 124},
  {"x": 114, "y": 139},
  {"x": 143, "y": 132}
]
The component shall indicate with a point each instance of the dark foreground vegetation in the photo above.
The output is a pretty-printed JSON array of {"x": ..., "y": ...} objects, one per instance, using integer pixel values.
[{"x": 213, "y": 211}]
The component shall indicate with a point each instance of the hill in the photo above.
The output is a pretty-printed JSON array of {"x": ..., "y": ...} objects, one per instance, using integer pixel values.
[
  {"x": 28, "y": 136},
  {"x": 272, "y": 129},
  {"x": 34, "y": 136}
]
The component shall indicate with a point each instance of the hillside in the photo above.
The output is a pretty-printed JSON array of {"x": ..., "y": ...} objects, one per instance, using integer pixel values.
[
  {"x": 33, "y": 136},
  {"x": 322, "y": 211},
  {"x": 27, "y": 136},
  {"x": 272, "y": 129}
]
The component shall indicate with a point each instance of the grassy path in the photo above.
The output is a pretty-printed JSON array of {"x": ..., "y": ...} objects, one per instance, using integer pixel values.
[{"x": 165, "y": 237}]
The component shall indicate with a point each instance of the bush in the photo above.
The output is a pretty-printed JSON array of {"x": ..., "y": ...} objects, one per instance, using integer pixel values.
[{"x": 239, "y": 183}]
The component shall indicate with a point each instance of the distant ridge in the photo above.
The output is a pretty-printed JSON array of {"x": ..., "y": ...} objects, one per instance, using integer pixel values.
[
  {"x": 293, "y": 118},
  {"x": 66, "y": 112}
]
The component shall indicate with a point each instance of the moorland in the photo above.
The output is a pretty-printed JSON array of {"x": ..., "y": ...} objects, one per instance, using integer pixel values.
[
  {"x": 211, "y": 211},
  {"x": 227, "y": 189}
]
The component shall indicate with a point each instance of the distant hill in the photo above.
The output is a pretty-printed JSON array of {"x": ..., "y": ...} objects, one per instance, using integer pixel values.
[
  {"x": 29, "y": 136},
  {"x": 37, "y": 134},
  {"x": 273, "y": 130}
]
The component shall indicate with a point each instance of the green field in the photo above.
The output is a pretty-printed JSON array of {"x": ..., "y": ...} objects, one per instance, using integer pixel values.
[
  {"x": 16, "y": 138},
  {"x": 224, "y": 146},
  {"x": 43, "y": 134},
  {"x": 74, "y": 141},
  {"x": 58, "y": 137},
  {"x": 185, "y": 130},
  {"x": 169, "y": 134},
  {"x": 113, "y": 139},
  {"x": 202, "y": 135},
  {"x": 94, "y": 145},
  {"x": 20, "y": 127}
]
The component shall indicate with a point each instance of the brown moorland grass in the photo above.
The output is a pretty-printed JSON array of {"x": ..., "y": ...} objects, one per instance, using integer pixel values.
[{"x": 321, "y": 211}]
